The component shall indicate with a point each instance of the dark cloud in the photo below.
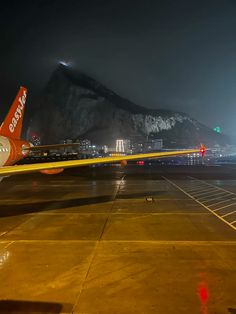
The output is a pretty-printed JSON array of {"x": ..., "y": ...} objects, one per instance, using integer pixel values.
[{"x": 173, "y": 54}]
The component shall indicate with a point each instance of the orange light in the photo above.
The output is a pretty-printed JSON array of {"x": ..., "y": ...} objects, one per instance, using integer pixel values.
[
  {"x": 123, "y": 163},
  {"x": 52, "y": 171}
]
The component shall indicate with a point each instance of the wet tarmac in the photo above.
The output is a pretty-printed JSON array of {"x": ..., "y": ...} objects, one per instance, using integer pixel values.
[{"x": 119, "y": 240}]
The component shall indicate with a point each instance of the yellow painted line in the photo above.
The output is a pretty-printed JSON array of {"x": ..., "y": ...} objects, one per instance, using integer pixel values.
[
  {"x": 120, "y": 201},
  {"x": 118, "y": 211},
  {"x": 18, "y": 169},
  {"x": 2, "y": 233},
  {"x": 218, "y": 216},
  {"x": 56, "y": 213},
  {"x": 155, "y": 242}
]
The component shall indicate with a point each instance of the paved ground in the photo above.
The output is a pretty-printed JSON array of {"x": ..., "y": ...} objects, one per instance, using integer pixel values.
[{"x": 112, "y": 240}]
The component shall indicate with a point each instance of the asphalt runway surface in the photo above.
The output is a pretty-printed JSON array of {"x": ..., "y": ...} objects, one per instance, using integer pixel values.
[{"x": 139, "y": 239}]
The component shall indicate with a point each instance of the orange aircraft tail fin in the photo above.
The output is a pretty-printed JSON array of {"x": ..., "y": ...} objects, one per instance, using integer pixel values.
[{"x": 12, "y": 125}]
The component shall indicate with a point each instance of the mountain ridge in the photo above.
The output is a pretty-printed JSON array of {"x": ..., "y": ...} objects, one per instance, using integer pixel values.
[{"x": 73, "y": 105}]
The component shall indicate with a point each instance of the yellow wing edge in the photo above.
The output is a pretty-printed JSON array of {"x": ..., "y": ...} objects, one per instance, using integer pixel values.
[{"x": 27, "y": 168}]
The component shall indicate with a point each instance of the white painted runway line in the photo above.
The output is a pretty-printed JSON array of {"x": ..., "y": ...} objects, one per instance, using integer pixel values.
[
  {"x": 207, "y": 199},
  {"x": 228, "y": 214},
  {"x": 224, "y": 201},
  {"x": 211, "y": 192},
  {"x": 223, "y": 207},
  {"x": 216, "y": 194},
  {"x": 208, "y": 184}
]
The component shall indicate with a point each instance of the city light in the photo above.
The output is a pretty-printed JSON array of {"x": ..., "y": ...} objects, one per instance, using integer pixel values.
[
  {"x": 217, "y": 129},
  {"x": 140, "y": 162},
  {"x": 120, "y": 146}
]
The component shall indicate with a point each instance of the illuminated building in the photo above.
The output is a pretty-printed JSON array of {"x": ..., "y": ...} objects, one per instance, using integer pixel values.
[
  {"x": 105, "y": 149},
  {"x": 85, "y": 144},
  {"x": 122, "y": 146}
]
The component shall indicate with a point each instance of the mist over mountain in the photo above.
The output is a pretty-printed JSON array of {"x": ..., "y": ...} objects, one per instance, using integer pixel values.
[{"x": 74, "y": 106}]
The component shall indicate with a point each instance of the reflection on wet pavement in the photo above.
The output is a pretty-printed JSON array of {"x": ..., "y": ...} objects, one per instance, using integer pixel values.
[
  {"x": 29, "y": 307},
  {"x": 90, "y": 241}
]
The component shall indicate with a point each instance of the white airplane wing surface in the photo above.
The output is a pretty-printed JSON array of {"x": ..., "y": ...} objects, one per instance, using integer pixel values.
[{"x": 59, "y": 166}]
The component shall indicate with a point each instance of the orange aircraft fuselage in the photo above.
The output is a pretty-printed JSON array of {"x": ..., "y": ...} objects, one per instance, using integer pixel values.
[{"x": 12, "y": 148}]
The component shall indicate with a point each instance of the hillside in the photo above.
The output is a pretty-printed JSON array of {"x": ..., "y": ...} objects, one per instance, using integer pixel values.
[{"x": 74, "y": 105}]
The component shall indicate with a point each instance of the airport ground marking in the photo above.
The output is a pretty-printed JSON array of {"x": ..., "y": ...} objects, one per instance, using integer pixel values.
[
  {"x": 200, "y": 188},
  {"x": 117, "y": 189},
  {"x": 193, "y": 187},
  {"x": 117, "y": 212},
  {"x": 216, "y": 210},
  {"x": 206, "y": 200},
  {"x": 225, "y": 206},
  {"x": 228, "y": 214},
  {"x": 217, "y": 187},
  {"x": 204, "y": 195},
  {"x": 208, "y": 191},
  {"x": 223, "y": 201},
  {"x": 203, "y": 191},
  {"x": 3, "y": 233},
  {"x": 224, "y": 194},
  {"x": 197, "y": 187},
  {"x": 155, "y": 242},
  {"x": 230, "y": 224}
]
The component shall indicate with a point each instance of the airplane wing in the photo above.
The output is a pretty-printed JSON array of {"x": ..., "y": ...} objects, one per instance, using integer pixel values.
[{"x": 59, "y": 166}]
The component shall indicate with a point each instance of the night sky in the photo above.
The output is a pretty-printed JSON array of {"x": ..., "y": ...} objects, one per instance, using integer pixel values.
[{"x": 176, "y": 54}]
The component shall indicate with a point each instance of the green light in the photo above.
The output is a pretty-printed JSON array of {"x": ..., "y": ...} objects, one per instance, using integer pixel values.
[{"x": 217, "y": 129}]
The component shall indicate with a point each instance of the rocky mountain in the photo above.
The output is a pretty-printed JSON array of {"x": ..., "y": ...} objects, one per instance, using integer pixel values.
[{"x": 74, "y": 106}]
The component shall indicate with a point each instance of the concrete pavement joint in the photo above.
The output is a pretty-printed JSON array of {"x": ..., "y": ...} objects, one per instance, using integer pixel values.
[
  {"x": 154, "y": 242},
  {"x": 97, "y": 243}
]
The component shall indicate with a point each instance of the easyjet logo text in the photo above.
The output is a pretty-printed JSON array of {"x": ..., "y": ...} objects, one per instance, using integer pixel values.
[{"x": 18, "y": 113}]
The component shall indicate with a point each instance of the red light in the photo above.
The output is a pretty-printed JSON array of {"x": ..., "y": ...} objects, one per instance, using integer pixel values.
[
  {"x": 140, "y": 162},
  {"x": 202, "y": 149},
  {"x": 203, "y": 294}
]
